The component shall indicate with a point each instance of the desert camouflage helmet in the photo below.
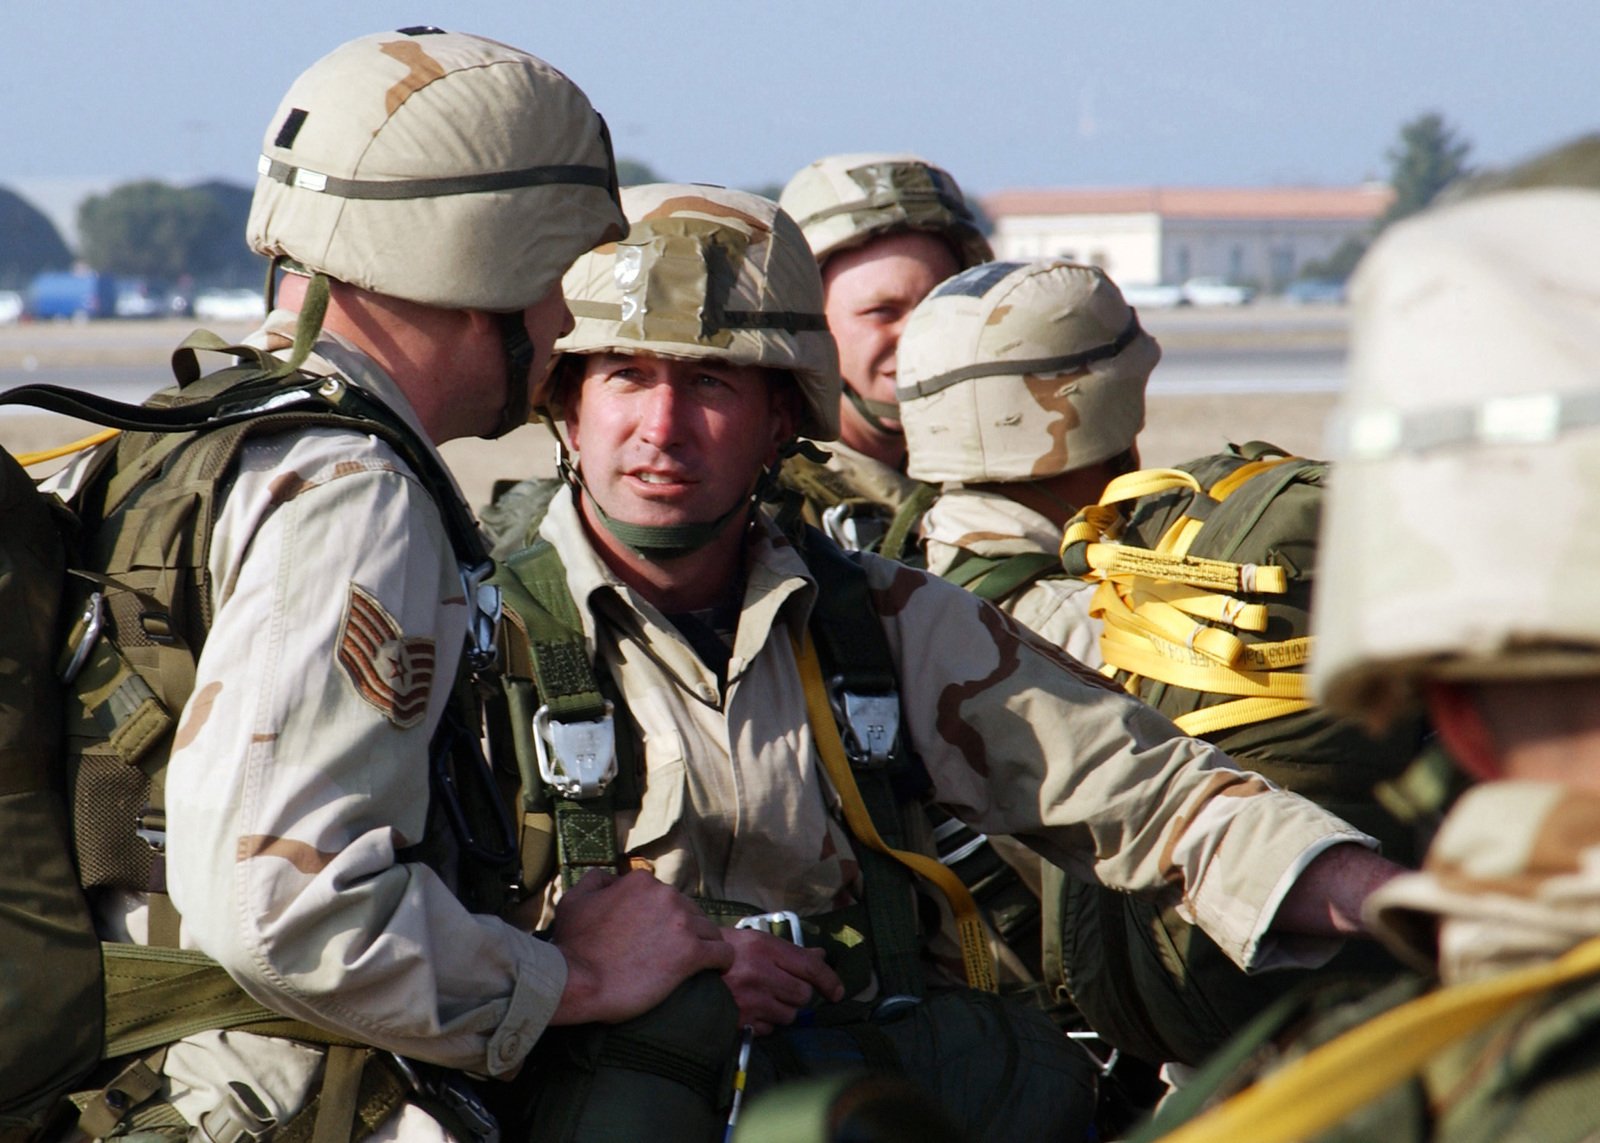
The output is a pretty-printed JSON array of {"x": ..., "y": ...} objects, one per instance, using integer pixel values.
[
  {"x": 1458, "y": 538},
  {"x": 845, "y": 200},
  {"x": 438, "y": 167},
  {"x": 1021, "y": 371},
  {"x": 708, "y": 273}
]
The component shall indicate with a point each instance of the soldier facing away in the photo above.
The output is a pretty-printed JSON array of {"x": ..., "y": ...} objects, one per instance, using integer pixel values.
[
  {"x": 699, "y": 350},
  {"x": 426, "y": 190},
  {"x": 885, "y": 229},
  {"x": 1472, "y": 401}
]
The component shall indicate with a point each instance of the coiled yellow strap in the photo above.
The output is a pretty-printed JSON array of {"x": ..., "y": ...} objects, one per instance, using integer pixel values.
[{"x": 975, "y": 955}]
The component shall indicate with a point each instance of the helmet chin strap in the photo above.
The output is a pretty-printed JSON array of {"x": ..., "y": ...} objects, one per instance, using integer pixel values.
[
  {"x": 657, "y": 542},
  {"x": 517, "y": 349},
  {"x": 874, "y": 412}
]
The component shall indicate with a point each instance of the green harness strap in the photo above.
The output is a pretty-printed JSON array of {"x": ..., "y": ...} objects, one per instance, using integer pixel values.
[
  {"x": 533, "y": 585},
  {"x": 906, "y": 519},
  {"x": 996, "y": 578},
  {"x": 560, "y": 671}
]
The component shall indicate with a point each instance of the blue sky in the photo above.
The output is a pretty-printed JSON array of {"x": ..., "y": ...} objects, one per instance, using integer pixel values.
[{"x": 1005, "y": 93}]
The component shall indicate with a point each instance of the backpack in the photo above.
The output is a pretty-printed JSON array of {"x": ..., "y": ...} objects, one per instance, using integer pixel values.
[
  {"x": 96, "y": 659},
  {"x": 1205, "y": 577}
]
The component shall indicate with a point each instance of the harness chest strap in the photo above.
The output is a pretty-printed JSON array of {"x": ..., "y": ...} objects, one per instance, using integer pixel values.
[{"x": 975, "y": 956}]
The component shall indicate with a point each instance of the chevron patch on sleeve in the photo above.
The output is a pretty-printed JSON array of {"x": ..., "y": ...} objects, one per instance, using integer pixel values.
[{"x": 388, "y": 670}]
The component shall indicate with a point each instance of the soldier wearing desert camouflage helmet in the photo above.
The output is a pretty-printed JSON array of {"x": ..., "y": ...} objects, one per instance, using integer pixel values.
[
  {"x": 426, "y": 189},
  {"x": 1021, "y": 389},
  {"x": 1473, "y": 398},
  {"x": 885, "y": 229},
  {"x": 726, "y": 660}
]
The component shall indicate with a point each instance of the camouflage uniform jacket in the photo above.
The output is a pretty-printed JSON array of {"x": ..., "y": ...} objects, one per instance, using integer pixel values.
[
  {"x": 1512, "y": 880},
  {"x": 987, "y": 524},
  {"x": 300, "y": 768},
  {"x": 853, "y": 497},
  {"x": 1016, "y": 737}
]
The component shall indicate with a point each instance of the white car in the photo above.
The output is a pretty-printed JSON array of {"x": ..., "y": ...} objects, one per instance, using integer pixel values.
[
  {"x": 1215, "y": 292},
  {"x": 230, "y": 305},
  {"x": 11, "y": 304},
  {"x": 1152, "y": 297}
]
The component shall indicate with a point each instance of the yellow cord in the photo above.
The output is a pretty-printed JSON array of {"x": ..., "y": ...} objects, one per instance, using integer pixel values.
[
  {"x": 975, "y": 955},
  {"x": 28, "y": 459}
]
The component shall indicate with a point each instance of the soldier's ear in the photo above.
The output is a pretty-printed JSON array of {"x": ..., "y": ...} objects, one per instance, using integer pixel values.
[
  {"x": 786, "y": 404},
  {"x": 1454, "y": 710}
]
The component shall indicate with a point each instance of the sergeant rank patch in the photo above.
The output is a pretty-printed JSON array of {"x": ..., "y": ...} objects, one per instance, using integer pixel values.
[{"x": 389, "y": 671}]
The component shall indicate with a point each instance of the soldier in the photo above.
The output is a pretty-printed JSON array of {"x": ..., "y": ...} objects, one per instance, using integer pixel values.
[
  {"x": 699, "y": 350},
  {"x": 885, "y": 229},
  {"x": 428, "y": 189},
  {"x": 1021, "y": 388},
  {"x": 1472, "y": 399}
]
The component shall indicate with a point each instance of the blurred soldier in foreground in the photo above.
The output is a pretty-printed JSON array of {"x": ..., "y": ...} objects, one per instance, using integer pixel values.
[
  {"x": 1469, "y": 440},
  {"x": 329, "y": 834},
  {"x": 885, "y": 229},
  {"x": 781, "y": 711}
]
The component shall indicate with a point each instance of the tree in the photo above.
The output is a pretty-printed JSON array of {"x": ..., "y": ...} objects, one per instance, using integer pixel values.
[
  {"x": 149, "y": 230},
  {"x": 221, "y": 257},
  {"x": 634, "y": 172},
  {"x": 1429, "y": 156},
  {"x": 29, "y": 242}
]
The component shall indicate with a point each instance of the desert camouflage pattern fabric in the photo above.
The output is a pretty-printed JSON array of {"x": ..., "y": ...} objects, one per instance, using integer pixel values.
[
  {"x": 1511, "y": 880},
  {"x": 1473, "y": 397},
  {"x": 988, "y": 524},
  {"x": 1020, "y": 371},
  {"x": 442, "y": 168},
  {"x": 707, "y": 273},
  {"x": 845, "y": 200},
  {"x": 300, "y": 768},
  {"x": 1017, "y": 739}
]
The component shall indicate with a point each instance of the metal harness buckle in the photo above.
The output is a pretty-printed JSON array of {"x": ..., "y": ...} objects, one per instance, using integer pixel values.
[
  {"x": 869, "y": 725},
  {"x": 578, "y": 759},
  {"x": 484, "y": 600},
  {"x": 769, "y": 922}
]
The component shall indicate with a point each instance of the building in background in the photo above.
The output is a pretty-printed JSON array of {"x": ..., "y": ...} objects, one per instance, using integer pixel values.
[{"x": 1147, "y": 236}]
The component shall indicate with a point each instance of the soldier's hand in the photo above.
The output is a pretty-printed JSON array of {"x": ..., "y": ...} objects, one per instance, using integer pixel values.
[
  {"x": 629, "y": 941},
  {"x": 772, "y": 979}
]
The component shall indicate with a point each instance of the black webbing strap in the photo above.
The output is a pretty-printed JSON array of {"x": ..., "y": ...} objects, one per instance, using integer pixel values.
[
  {"x": 855, "y": 655},
  {"x": 533, "y": 584}
]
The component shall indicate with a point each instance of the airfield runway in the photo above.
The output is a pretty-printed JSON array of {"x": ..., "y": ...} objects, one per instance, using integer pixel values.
[{"x": 1259, "y": 372}]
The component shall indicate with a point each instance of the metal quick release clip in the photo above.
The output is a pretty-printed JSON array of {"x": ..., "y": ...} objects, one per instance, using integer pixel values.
[
  {"x": 578, "y": 759},
  {"x": 484, "y": 601},
  {"x": 869, "y": 724}
]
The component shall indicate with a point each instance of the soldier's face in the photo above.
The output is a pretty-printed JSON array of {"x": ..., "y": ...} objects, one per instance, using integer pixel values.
[
  {"x": 661, "y": 441},
  {"x": 869, "y": 291}
]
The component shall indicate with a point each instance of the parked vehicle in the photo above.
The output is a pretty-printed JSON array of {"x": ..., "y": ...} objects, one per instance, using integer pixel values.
[
  {"x": 1216, "y": 292},
  {"x": 230, "y": 305},
  {"x": 1315, "y": 292},
  {"x": 1153, "y": 297},
  {"x": 11, "y": 306},
  {"x": 74, "y": 295}
]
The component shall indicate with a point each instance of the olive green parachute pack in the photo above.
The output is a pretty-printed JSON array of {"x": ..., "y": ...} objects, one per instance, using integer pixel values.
[
  {"x": 106, "y": 606},
  {"x": 1206, "y": 574}
]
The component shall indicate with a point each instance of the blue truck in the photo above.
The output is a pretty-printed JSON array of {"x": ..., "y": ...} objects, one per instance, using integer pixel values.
[{"x": 74, "y": 294}]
